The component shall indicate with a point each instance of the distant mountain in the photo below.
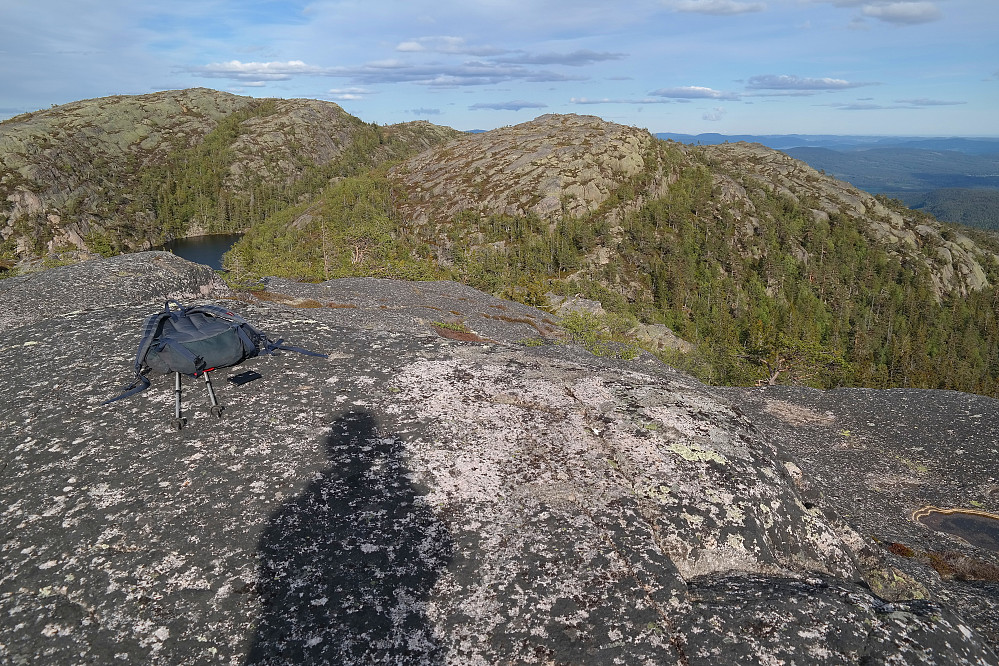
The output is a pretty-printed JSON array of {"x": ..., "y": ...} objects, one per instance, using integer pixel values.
[
  {"x": 958, "y": 187},
  {"x": 898, "y": 170},
  {"x": 971, "y": 146}
]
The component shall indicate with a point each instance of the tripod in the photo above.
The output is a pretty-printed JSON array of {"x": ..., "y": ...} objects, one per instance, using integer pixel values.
[{"x": 216, "y": 409}]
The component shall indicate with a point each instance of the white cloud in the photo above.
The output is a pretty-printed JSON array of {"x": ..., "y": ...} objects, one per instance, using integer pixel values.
[
  {"x": 515, "y": 105},
  {"x": 718, "y": 7},
  {"x": 714, "y": 115},
  {"x": 899, "y": 104},
  {"x": 864, "y": 106},
  {"x": 800, "y": 83},
  {"x": 471, "y": 73},
  {"x": 693, "y": 92},
  {"x": 348, "y": 94},
  {"x": 255, "y": 72},
  {"x": 904, "y": 13},
  {"x": 446, "y": 44},
  {"x": 922, "y": 101},
  {"x": 608, "y": 100},
  {"x": 572, "y": 59},
  {"x": 899, "y": 12}
]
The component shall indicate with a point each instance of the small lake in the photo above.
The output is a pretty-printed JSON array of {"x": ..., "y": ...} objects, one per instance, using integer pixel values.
[
  {"x": 976, "y": 527},
  {"x": 206, "y": 250}
]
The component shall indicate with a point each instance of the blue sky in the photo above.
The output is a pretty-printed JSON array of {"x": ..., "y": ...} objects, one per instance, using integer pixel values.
[{"x": 896, "y": 67}]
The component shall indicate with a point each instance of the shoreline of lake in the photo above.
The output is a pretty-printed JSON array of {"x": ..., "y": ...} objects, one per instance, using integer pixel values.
[{"x": 207, "y": 249}]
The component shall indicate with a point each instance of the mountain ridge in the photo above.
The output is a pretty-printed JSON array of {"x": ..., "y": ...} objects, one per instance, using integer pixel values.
[
  {"x": 750, "y": 256},
  {"x": 756, "y": 258},
  {"x": 929, "y": 174}
]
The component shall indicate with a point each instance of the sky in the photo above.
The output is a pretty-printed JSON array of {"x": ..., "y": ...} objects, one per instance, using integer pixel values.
[{"x": 867, "y": 67}]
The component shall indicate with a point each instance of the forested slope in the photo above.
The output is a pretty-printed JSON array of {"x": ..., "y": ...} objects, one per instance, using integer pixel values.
[{"x": 775, "y": 272}]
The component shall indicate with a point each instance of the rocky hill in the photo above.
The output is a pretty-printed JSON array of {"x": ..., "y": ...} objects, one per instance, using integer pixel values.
[
  {"x": 952, "y": 259},
  {"x": 124, "y": 172},
  {"x": 766, "y": 270},
  {"x": 454, "y": 485},
  {"x": 773, "y": 271},
  {"x": 556, "y": 166}
]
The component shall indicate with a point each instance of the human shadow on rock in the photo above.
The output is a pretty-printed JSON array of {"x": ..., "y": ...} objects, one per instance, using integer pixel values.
[{"x": 346, "y": 566}]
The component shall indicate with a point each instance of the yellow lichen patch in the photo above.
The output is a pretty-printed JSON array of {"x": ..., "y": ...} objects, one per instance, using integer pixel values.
[
  {"x": 735, "y": 515},
  {"x": 893, "y": 584},
  {"x": 696, "y": 453}
]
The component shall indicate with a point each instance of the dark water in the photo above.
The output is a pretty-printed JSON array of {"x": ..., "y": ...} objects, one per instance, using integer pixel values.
[
  {"x": 976, "y": 527},
  {"x": 203, "y": 249}
]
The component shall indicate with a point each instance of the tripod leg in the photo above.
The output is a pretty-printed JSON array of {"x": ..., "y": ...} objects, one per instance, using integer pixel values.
[
  {"x": 216, "y": 408},
  {"x": 178, "y": 421}
]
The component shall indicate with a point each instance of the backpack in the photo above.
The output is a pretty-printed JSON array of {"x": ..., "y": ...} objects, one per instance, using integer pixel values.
[{"x": 194, "y": 341}]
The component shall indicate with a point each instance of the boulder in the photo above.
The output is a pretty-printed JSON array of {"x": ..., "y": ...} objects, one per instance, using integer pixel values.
[
  {"x": 563, "y": 305},
  {"x": 660, "y": 338},
  {"x": 417, "y": 499}
]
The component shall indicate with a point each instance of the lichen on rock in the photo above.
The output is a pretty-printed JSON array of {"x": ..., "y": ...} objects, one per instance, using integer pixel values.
[{"x": 411, "y": 499}]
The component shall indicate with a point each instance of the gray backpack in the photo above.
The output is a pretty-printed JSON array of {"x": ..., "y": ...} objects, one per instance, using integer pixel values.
[{"x": 194, "y": 341}]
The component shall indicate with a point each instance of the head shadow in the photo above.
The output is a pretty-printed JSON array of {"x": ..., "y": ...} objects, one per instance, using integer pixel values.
[{"x": 345, "y": 567}]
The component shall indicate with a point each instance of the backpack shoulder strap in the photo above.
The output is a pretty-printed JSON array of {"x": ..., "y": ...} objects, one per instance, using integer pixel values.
[
  {"x": 140, "y": 384},
  {"x": 271, "y": 346},
  {"x": 149, "y": 330}
]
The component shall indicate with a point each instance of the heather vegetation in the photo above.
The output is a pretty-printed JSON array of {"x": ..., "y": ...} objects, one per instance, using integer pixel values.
[{"x": 801, "y": 300}]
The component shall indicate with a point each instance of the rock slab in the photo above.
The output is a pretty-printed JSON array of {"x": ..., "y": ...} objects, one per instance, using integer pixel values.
[{"x": 413, "y": 499}]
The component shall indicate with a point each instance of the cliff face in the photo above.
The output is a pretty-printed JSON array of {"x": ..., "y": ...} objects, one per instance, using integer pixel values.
[{"x": 443, "y": 494}]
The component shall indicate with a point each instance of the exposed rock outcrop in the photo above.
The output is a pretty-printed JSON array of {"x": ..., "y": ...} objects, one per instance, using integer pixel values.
[
  {"x": 553, "y": 165},
  {"x": 415, "y": 499}
]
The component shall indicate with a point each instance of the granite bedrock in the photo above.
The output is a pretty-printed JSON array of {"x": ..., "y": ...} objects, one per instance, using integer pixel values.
[{"x": 415, "y": 499}]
